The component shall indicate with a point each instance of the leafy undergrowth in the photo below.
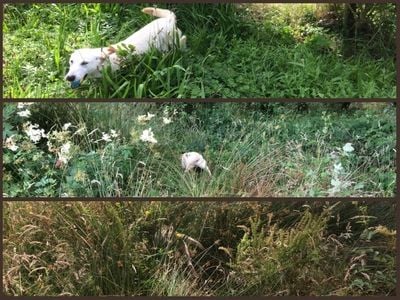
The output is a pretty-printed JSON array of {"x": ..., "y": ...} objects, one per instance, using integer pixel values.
[
  {"x": 234, "y": 51},
  {"x": 198, "y": 248},
  {"x": 260, "y": 150}
]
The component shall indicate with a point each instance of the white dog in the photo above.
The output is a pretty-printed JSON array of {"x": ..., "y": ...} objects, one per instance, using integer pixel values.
[
  {"x": 161, "y": 34},
  {"x": 193, "y": 160}
]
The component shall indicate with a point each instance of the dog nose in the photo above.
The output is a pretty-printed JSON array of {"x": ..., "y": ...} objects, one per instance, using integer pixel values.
[{"x": 71, "y": 78}]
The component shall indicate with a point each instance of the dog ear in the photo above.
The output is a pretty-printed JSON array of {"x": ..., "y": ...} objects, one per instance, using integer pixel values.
[{"x": 111, "y": 50}]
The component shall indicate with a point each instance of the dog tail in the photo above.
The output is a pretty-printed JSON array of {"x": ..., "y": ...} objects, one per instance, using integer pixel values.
[{"x": 159, "y": 12}]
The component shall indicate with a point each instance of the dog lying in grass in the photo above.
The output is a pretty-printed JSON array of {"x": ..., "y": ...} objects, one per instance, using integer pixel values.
[{"x": 161, "y": 34}]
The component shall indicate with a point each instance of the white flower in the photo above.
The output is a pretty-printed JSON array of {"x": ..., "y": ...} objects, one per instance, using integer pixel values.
[
  {"x": 336, "y": 183},
  {"x": 191, "y": 160},
  {"x": 65, "y": 152},
  {"x": 141, "y": 118},
  {"x": 150, "y": 116},
  {"x": 348, "y": 148},
  {"x": 148, "y": 136},
  {"x": 10, "y": 144},
  {"x": 339, "y": 179},
  {"x": 13, "y": 147},
  {"x": 24, "y": 114},
  {"x": 113, "y": 133},
  {"x": 145, "y": 118},
  {"x": 106, "y": 137},
  {"x": 66, "y": 126},
  {"x": 21, "y": 105},
  {"x": 338, "y": 168},
  {"x": 34, "y": 132},
  {"x": 65, "y": 148},
  {"x": 50, "y": 146},
  {"x": 166, "y": 120}
]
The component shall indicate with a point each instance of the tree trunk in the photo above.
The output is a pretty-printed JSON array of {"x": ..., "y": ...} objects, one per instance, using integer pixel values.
[{"x": 349, "y": 28}]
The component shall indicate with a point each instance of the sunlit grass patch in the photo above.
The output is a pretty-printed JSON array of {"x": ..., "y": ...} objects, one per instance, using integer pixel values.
[{"x": 239, "y": 51}]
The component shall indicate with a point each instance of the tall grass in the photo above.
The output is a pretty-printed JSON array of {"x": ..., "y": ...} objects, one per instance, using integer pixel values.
[
  {"x": 263, "y": 150},
  {"x": 188, "y": 249}
]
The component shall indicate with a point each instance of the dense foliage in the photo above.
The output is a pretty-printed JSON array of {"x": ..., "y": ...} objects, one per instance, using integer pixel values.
[
  {"x": 234, "y": 51},
  {"x": 128, "y": 149}
]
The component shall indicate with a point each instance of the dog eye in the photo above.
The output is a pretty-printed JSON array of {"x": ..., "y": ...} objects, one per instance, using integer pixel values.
[
  {"x": 71, "y": 61},
  {"x": 84, "y": 63}
]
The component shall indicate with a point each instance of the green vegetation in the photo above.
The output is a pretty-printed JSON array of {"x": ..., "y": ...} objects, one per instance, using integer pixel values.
[
  {"x": 260, "y": 150},
  {"x": 200, "y": 248},
  {"x": 234, "y": 51}
]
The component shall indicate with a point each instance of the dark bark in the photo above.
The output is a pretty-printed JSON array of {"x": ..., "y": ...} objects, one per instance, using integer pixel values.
[{"x": 349, "y": 28}]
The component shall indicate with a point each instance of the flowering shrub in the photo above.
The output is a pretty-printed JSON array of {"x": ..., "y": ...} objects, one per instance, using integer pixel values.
[
  {"x": 27, "y": 166},
  {"x": 58, "y": 162}
]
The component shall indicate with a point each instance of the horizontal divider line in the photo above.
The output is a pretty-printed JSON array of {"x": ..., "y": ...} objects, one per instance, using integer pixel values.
[
  {"x": 196, "y": 199},
  {"x": 198, "y": 100}
]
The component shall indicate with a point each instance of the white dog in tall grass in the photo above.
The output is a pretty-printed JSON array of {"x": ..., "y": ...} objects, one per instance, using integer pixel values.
[
  {"x": 192, "y": 161},
  {"x": 161, "y": 34}
]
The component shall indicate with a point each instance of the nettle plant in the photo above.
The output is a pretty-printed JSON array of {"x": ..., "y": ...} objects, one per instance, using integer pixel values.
[{"x": 70, "y": 159}]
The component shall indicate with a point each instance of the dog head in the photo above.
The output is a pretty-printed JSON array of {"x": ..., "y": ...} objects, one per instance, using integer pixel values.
[{"x": 82, "y": 63}]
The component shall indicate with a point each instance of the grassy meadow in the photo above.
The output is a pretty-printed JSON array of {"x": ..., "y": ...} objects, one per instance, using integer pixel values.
[
  {"x": 162, "y": 248},
  {"x": 252, "y": 149},
  {"x": 234, "y": 51}
]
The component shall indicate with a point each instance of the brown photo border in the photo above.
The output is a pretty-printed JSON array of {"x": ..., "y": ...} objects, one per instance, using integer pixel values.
[{"x": 214, "y": 199}]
